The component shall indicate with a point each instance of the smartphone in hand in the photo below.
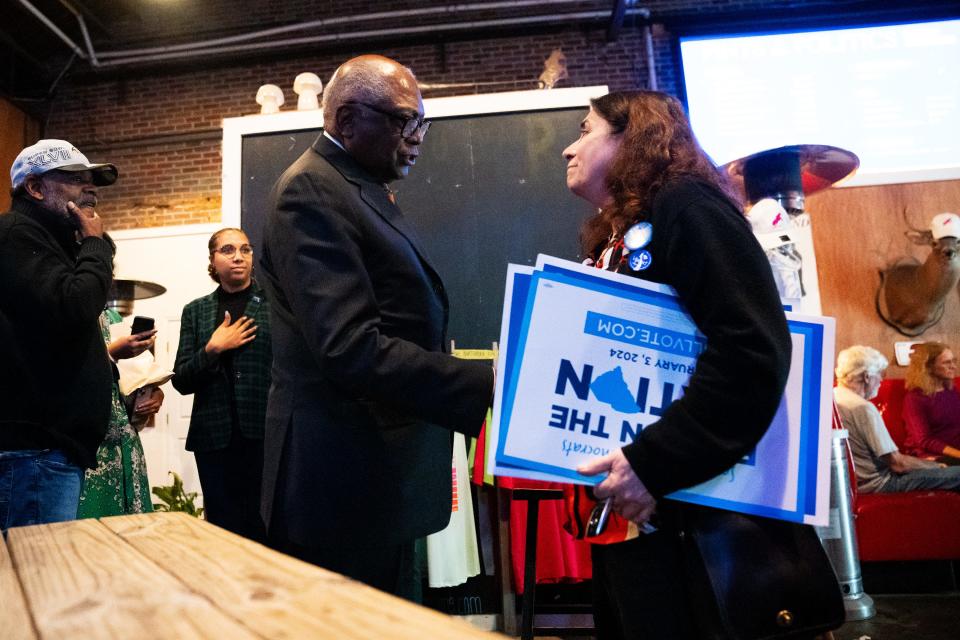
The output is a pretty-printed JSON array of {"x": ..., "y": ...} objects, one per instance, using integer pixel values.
[{"x": 141, "y": 324}]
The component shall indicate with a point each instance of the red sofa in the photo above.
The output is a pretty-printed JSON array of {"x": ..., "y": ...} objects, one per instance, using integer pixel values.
[{"x": 917, "y": 525}]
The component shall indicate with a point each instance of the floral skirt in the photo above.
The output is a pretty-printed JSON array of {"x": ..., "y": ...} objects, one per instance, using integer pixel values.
[{"x": 119, "y": 485}]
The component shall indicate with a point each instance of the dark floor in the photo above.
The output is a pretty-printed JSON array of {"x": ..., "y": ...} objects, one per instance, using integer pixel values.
[
  {"x": 898, "y": 617},
  {"x": 908, "y": 617},
  {"x": 913, "y": 600}
]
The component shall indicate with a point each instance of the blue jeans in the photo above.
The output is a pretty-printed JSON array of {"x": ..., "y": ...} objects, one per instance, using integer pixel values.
[
  {"x": 934, "y": 478},
  {"x": 38, "y": 486}
]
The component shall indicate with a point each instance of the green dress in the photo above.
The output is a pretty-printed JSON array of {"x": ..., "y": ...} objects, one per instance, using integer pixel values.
[{"x": 119, "y": 484}]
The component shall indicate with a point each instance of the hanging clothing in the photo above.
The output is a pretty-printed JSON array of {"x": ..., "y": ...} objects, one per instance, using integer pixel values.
[
  {"x": 560, "y": 556},
  {"x": 452, "y": 553}
]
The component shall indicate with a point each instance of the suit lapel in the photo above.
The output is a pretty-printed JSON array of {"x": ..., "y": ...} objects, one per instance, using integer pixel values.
[
  {"x": 379, "y": 200},
  {"x": 372, "y": 193},
  {"x": 208, "y": 315}
]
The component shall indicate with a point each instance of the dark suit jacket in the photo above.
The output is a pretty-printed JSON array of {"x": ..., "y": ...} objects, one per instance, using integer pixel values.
[
  {"x": 210, "y": 423},
  {"x": 358, "y": 441}
]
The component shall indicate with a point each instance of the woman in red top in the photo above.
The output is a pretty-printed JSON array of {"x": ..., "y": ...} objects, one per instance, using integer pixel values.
[
  {"x": 667, "y": 214},
  {"x": 931, "y": 408}
]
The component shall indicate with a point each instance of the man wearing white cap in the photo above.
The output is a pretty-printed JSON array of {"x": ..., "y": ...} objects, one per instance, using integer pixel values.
[{"x": 55, "y": 272}]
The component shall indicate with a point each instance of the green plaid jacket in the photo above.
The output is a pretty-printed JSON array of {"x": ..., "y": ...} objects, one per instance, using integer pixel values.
[{"x": 210, "y": 424}]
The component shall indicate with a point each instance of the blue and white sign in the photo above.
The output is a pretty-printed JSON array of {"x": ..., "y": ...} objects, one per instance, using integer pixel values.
[{"x": 590, "y": 358}]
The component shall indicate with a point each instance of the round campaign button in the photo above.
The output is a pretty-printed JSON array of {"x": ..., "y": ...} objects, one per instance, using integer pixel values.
[
  {"x": 640, "y": 260},
  {"x": 638, "y": 236}
]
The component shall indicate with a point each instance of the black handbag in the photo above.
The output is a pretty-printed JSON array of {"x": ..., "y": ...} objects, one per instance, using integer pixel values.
[{"x": 752, "y": 578}]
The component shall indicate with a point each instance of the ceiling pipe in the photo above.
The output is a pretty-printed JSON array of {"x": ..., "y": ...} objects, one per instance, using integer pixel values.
[
  {"x": 83, "y": 30},
  {"x": 60, "y": 34},
  {"x": 336, "y": 37},
  {"x": 327, "y": 22},
  {"x": 216, "y": 46},
  {"x": 651, "y": 58},
  {"x": 617, "y": 15}
]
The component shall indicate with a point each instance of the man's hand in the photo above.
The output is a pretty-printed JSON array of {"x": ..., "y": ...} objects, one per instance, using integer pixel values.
[
  {"x": 230, "y": 336},
  {"x": 89, "y": 223},
  {"x": 630, "y": 498},
  {"x": 133, "y": 345}
]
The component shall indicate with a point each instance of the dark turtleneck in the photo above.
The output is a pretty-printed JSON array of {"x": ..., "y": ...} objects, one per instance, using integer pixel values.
[{"x": 236, "y": 303}]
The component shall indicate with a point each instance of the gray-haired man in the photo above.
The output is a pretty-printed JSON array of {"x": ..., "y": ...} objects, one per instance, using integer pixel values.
[{"x": 880, "y": 466}]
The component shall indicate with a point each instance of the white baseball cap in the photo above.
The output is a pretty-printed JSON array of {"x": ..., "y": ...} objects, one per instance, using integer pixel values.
[
  {"x": 47, "y": 155},
  {"x": 770, "y": 223},
  {"x": 945, "y": 225}
]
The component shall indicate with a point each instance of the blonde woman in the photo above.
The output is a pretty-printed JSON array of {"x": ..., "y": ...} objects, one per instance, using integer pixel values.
[{"x": 931, "y": 408}]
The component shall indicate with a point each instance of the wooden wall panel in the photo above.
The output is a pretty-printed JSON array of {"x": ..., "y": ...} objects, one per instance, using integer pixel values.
[
  {"x": 859, "y": 230},
  {"x": 18, "y": 131}
]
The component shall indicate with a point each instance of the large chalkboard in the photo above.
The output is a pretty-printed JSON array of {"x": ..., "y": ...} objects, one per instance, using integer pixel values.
[{"x": 487, "y": 190}]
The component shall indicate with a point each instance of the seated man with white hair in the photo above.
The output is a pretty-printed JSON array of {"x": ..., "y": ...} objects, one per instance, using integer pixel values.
[{"x": 879, "y": 465}]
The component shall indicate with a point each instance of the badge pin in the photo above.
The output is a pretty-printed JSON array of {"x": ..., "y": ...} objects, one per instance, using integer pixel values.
[
  {"x": 638, "y": 236},
  {"x": 640, "y": 260}
]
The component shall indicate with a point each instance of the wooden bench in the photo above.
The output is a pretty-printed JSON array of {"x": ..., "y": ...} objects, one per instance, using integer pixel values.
[
  {"x": 15, "y": 621},
  {"x": 168, "y": 575}
]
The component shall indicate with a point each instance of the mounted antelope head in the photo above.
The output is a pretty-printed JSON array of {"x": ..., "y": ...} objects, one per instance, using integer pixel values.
[{"x": 911, "y": 295}]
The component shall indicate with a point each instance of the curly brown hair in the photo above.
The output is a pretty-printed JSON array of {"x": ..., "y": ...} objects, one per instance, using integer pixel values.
[
  {"x": 920, "y": 371},
  {"x": 658, "y": 146}
]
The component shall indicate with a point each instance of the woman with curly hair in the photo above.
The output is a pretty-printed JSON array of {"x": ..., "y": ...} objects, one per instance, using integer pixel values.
[
  {"x": 667, "y": 214},
  {"x": 931, "y": 408}
]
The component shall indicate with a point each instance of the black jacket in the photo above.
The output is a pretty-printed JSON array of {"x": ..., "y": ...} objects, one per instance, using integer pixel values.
[
  {"x": 358, "y": 441},
  {"x": 52, "y": 292},
  {"x": 703, "y": 247},
  {"x": 211, "y": 421}
]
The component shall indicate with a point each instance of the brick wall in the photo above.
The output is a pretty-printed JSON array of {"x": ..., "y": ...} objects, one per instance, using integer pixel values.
[
  {"x": 162, "y": 128},
  {"x": 178, "y": 182}
]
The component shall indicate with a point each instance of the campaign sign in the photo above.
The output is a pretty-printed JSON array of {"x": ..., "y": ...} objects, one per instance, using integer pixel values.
[
  {"x": 515, "y": 298},
  {"x": 589, "y": 359}
]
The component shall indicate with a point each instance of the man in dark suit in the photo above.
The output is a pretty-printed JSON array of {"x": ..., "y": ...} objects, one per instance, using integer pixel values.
[{"x": 358, "y": 441}]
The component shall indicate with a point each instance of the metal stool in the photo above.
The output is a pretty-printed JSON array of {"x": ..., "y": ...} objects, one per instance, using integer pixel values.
[{"x": 533, "y": 498}]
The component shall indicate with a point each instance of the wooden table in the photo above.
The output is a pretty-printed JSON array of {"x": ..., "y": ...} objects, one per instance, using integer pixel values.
[{"x": 169, "y": 575}]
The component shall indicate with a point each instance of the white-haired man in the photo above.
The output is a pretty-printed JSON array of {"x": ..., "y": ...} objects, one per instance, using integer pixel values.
[
  {"x": 880, "y": 466},
  {"x": 55, "y": 272}
]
